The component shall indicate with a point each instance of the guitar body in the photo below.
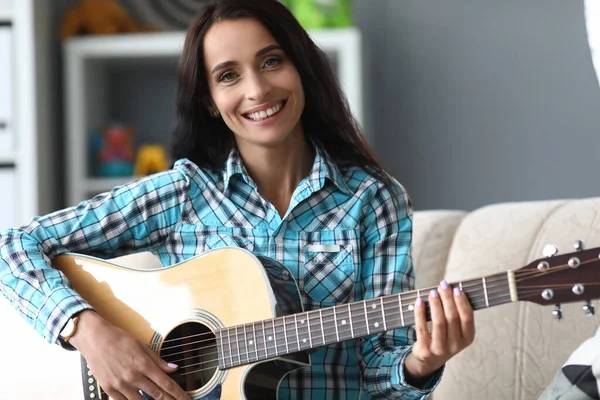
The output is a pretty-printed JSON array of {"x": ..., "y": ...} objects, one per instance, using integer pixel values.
[{"x": 173, "y": 307}]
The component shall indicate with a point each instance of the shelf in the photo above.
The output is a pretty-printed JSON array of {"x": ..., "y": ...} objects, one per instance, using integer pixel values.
[
  {"x": 6, "y": 16},
  {"x": 7, "y": 158}
]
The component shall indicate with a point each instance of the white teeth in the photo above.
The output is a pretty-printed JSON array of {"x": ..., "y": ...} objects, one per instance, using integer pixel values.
[{"x": 259, "y": 115}]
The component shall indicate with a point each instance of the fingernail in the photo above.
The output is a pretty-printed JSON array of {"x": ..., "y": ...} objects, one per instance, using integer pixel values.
[
  {"x": 457, "y": 291},
  {"x": 419, "y": 302},
  {"x": 171, "y": 365},
  {"x": 444, "y": 285},
  {"x": 433, "y": 293}
]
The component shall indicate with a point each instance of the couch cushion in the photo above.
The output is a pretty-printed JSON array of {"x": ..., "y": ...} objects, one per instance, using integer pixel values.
[{"x": 518, "y": 347}]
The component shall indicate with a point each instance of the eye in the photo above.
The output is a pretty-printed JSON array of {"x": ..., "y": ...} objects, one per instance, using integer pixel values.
[
  {"x": 272, "y": 62},
  {"x": 227, "y": 77}
]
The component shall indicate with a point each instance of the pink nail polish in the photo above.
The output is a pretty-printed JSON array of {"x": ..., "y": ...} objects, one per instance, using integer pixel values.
[
  {"x": 457, "y": 291},
  {"x": 171, "y": 365},
  {"x": 444, "y": 285},
  {"x": 419, "y": 302},
  {"x": 433, "y": 293}
]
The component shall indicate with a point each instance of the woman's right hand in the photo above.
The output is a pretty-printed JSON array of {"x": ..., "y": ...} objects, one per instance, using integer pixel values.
[{"x": 121, "y": 363}]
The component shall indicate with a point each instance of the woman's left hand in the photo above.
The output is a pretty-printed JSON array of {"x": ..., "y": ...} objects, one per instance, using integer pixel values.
[{"x": 453, "y": 329}]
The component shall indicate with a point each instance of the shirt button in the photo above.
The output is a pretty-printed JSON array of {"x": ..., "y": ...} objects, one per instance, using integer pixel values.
[{"x": 279, "y": 241}]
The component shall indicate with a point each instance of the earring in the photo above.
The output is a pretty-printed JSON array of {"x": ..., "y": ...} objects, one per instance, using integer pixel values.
[{"x": 214, "y": 113}]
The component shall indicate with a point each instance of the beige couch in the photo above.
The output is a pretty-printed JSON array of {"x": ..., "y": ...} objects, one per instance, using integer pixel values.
[{"x": 518, "y": 347}]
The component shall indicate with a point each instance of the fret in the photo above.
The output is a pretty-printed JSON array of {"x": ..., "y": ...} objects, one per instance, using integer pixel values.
[
  {"x": 243, "y": 346},
  {"x": 337, "y": 333},
  {"x": 308, "y": 328},
  {"x": 485, "y": 292},
  {"x": 284, "y": 326},
  {"x": 291, "y": 332},
  {"x": 304, "y": 339},
  {"x": 222, "y": 356},
  {"x": 343, "y": 327},
  {"x": 383, "y": 314},
  {"x": 246, "y": 344},
  {"x": 297, "y": 332},
  {"x": 366, "y": 318},
  {"x": 374, "y": 314},
  {"x": 321, "y": 321},
  {"x": 281, "y": 344},
  {"x": 275, "y": 337},
  {"x": 316, "y": 332},
  {"x": 237, "y": 346},
  {"x": 229, "y": 345},
  {"x": 253, "y": 343},
  {"x": 351, "y": 324},
  {"x": 270, "y": 349},
  {"x": 401, "y": 310},
  {"x": 261, "y": 344},
  {"x": 357, "y": 314}
]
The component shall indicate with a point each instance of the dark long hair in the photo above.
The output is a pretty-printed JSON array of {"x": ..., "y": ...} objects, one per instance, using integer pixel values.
[{"x": 326, "y": 118}]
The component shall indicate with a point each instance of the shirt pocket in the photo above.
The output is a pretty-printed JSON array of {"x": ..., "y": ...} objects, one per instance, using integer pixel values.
[{"x": 328, "y": 273}]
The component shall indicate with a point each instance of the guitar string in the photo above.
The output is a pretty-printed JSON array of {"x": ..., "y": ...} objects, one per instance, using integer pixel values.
[
  {"x": 406, "y": 296},
  {"x": 532, "y": 291},
  {"x": 377, "y": 300},
  {"x": 328, "y": 312},
  {"x": 251, "y": 354}
]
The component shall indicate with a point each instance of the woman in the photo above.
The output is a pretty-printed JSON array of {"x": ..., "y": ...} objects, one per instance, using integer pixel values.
[{"x": 269, "y": 158}]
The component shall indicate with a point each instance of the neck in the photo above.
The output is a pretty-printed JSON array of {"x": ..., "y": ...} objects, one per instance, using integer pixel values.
[
  {"x": 278, "y": 170},
  {"x": 239, "y": 345}
]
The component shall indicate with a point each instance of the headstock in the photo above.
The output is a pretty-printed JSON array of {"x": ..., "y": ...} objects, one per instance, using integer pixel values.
[{"x": 563, "y": 278}]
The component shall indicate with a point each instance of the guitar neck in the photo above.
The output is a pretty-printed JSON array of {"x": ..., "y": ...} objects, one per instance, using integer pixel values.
[{"x": 243, "y": 344}]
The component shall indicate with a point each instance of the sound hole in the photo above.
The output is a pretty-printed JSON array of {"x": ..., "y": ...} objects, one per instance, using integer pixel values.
[{"x": 192, "y": 346}]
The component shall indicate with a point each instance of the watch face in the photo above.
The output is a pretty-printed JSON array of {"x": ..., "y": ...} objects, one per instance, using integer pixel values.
[{"x": 167, "y": 14}]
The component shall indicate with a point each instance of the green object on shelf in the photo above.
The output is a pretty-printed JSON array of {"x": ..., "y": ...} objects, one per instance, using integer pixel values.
[{"x": 315, "y": 14}]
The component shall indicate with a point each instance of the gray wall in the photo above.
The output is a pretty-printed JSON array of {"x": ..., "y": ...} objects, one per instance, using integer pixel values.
[
  {"x": 482, "y": 101},
  {"x": 472, "y": 102}
]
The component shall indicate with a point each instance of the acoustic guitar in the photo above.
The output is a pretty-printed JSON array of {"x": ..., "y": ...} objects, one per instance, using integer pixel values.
[{"x": 234, "y": 322}]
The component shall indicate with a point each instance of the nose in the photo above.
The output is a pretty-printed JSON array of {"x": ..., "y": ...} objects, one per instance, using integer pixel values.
[{"x": 257, "y": 86}]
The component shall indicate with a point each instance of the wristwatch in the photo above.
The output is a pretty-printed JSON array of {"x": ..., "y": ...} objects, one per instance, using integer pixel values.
[{"x": 69, "y": 329}]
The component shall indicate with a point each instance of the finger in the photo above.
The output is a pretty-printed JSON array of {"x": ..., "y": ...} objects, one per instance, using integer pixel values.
[
  {"x": 166, "y": 384},
  {"x": 465, "y": 311},
  {"x": 152, "y": 390},
  {"x": 165, "y": 366},
  {"x": 420, "y": 311},
  {"x": 453, "y": 326},
  {"x": 439, "y": 335},
  {"x": 132, "y": 394}
]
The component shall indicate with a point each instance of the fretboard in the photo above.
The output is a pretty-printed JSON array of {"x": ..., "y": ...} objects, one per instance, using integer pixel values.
[{"x": 244, "y": 344}]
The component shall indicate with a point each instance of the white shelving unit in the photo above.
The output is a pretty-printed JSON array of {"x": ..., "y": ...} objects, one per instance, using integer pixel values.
[
  {"x": 100, "y": 86},
  {"x": 31, "y": 122}
]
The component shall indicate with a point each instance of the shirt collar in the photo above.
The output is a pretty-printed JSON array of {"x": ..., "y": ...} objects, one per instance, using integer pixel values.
[{"x": 323, "y": 168}]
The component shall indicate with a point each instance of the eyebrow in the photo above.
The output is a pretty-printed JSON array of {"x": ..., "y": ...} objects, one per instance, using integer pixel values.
[{"x": 259, "y": 53}]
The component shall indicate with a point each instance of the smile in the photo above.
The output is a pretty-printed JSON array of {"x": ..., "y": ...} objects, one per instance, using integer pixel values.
[{"x": 266, "y": 113}]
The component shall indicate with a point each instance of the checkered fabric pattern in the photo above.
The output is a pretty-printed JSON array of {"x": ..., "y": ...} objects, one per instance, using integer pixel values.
[{"x": 182, "y": 212}]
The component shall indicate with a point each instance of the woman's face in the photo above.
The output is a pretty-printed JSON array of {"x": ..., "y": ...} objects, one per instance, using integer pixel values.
[{"x": 254, "y": 86}]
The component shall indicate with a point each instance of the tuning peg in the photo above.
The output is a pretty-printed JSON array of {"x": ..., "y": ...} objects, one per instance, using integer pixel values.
[
  {"x": 557, "y": 312},
  {"x": 588, "y": 309},
  {"x": 549, "y": 250},
  {"x": 578, "y": 245}
]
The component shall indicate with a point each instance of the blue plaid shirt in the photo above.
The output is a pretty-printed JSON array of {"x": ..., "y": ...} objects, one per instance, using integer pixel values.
[{"x": 184, "y": 211}]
